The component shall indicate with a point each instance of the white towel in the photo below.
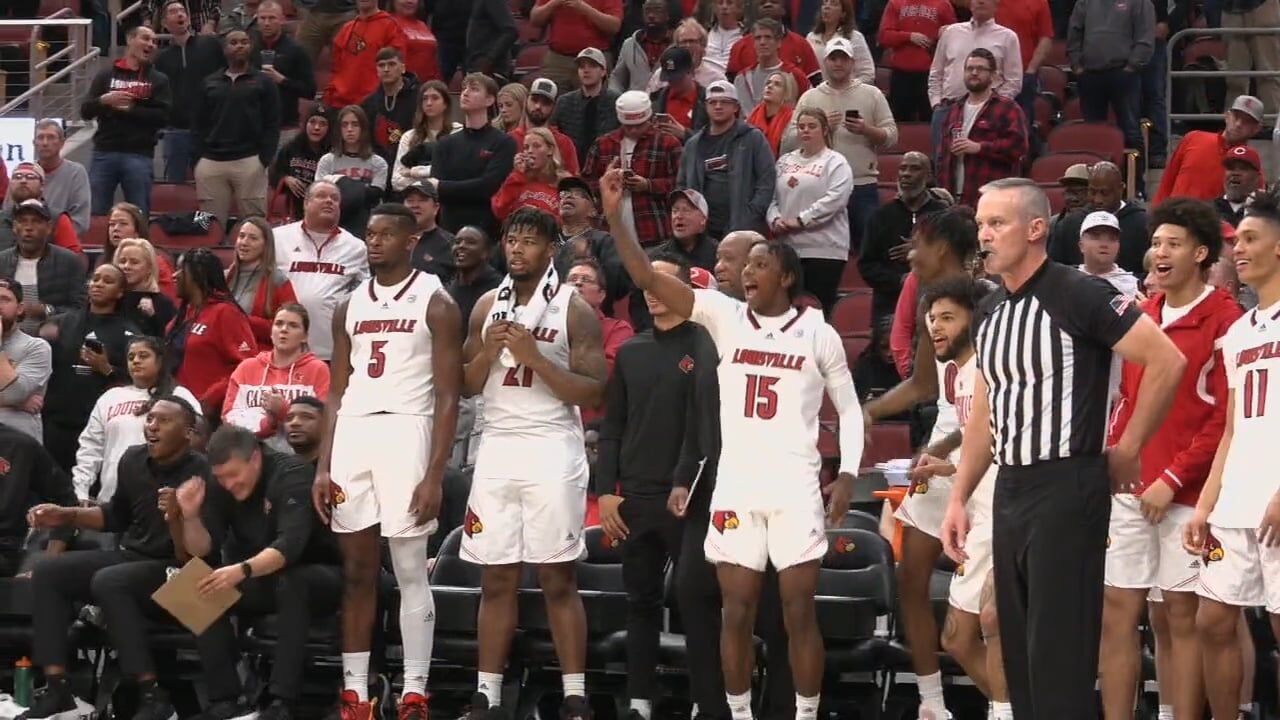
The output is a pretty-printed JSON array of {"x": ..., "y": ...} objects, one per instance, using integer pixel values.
[{"x": 504, "y": 305}]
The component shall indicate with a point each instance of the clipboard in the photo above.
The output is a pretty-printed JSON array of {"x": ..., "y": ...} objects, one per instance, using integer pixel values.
[{"x": 179, "y": 596}]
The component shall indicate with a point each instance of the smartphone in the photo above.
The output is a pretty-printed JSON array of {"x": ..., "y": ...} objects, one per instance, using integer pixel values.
[
  {"x": 957, "y": 133},
  {"x": 664, "y": 118},
  {"x": 852, "y": 115},
  {"x": 268, "y": 58},
  {"x": 93, "y": 344}
]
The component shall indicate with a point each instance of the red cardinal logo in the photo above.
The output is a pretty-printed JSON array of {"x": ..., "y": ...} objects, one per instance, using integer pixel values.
[
  {"x": 686, "y": 364},
  {"x": 610, "y": 542},
  {"x": 843, "y": 545},
  {"x": 337, "y": 493},
  {"x": 918, "y": 488},
  {"x": 960, "y": 570},
  {"x": 5, "y": 466},
  {"x": 471, "y": 525},
  {"x": 792, "y": 181},
  {"x": 1213, "y": 551},
  {"x": 723, "y": 520}
]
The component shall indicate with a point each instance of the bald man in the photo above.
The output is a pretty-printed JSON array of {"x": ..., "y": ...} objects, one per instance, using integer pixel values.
[
  {"x": 731, "y": 258},
  {"x": 1106, "y": 192}
]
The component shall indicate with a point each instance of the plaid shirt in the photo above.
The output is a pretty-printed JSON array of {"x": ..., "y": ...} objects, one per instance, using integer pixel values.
[
  {"x": 1001, "y": 131},
  {"x": 656, "y": 158}
]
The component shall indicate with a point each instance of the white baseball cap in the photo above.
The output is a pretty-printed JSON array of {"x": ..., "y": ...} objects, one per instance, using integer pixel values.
[
  {"x": 594, "y": 55},
  {"x": 1099, "y": 219},
  {"x": 634, "y": 107},
  {"x": 694, "y": 197},
  {"x": 722, "y": 89},
  {"x": 1249, "y": 105},
  {"x": 838, "y": 44},
  {"x": 544, "y": 87}
]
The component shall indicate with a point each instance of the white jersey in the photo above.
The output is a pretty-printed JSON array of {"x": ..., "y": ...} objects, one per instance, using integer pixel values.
[
  {"x": 1250, "y": 352},
  {"x": 948, "y": 413},
  {"x": 524, "y": 421},
  {"x": 322, "y": 268},
  {"x": 957, "y": 384},
  {"x": 391, "y": 348}
]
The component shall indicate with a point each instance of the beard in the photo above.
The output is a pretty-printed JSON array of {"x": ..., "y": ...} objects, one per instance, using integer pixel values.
[
  {"x": 977, "y": 86},
  {"x": 7, "y": 323},
  {"x": 955, "y": 347},
  {"x": 537, "y": 119}
]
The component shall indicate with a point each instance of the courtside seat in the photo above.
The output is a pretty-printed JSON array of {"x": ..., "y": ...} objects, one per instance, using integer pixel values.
[
  {"x": 856, "y": 591},
  {"x": 859, "y": 520},
  {"x": 455, "y": 586}
]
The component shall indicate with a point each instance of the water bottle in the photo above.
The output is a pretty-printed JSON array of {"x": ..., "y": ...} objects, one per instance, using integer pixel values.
[{"x": 22, "y": 682}]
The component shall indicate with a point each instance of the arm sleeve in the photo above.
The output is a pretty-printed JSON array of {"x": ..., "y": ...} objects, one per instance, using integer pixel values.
[
  {"x": 1170, "y": 174},
  {"x": 301, "y": 79},
  {"x": 324, "y": 166},
  {"x": 64, "y": 235},
  {"x": 270, "y": 139},
  {"x": 78, "y": 203},
  {"x": 716, "y": 312},
  {"x": 1075, "y": 35},
  {"x": 620, "y": 78},
  {"x": 91, "y": 107},
  {"x": 889, "y": 36},
  {"x": 668, "y": 166},
  {"x": 507, "y": 33},
  {"x": 1011, "y": 144},
  {"x": 903, "y": 331},
  {"x": 89, "y": 455},
  {"x": 154, "y": 111},
  {"x": 835, "y": 198},
  {"x": 937, "y": 68},
  {"x": 216, "y": 512},
  {"x": 568, "y": 153},
  {"x": 864, "y": 68},
  {"x": 835, "y": 371},
  {"x": 611, "y": 429},
  {"x": 882, "y": 117},
  {"x": 1011, "y": 70},
  {"x": 873, "y": 262},
  {"x": 295, "y": 520},
  {"x": 118, "y": 512},
  {"x": 33, "y": 376},
  {"x": 504, "y": 202}
]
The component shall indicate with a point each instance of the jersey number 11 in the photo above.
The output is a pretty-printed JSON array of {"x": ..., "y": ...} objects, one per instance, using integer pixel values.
[{"x": 1255, "y": 393}]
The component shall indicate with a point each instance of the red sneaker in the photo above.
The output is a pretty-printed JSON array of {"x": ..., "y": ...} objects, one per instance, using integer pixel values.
[
  {"x": 350, "y": 707},
  {"x": 412, "y": 707}
]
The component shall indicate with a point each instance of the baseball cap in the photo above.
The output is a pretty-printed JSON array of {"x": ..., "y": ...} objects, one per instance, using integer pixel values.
[
  {"x": 838, "y": 44},
  {"x": 722, "y": 89},
  {"x": 701, "y": 279},
  {"x": 1078, "y": 173},
  {"x": 35, "y": 205},
  {"x": 573, "y": 182},
  {"x": 1228, "y": 233},
  {"x": 545, "y": 87},
  {"x": 634, "y": 107},
  {"x": 676, "y": 62},
  {"x": 29, "y": 167},
  {"x": 1249, "y": 105},
  {"x": 694, "y": 197},
  {"x": 1100, "y": 218},
  {"x": 424, "y": 188},
  {"x": 12, "y": 286},
  {"x": 1239, "y": 153},
  {"x": 594, "y": 55}
]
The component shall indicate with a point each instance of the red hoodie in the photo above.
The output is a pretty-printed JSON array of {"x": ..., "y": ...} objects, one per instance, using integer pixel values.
[
  {"x": 1181, "y": 451},
  {"x": 215, "y": 339},
  {"x": 518, "y": 191},
  {"x": 903, "y": 17},
  {"x": 355, "y": 47},
  {"x": 257, "y": 378}
]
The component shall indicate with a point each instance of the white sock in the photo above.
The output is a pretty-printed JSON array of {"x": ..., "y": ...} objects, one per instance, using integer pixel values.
[
  {"x": 1165, "y": 712},
  {"x": 807, "y": 707},
  {"x": 574, "y": 684},
  {"x": 417, "y": 609},
  {"x": 1247, "y": 709},
  {"x": 491, "y": 685},
  {"x": 740, "y": 706},
  {"x": 1002, "y": 710},
  {"x": 415, "y": 676},
  {"x": 930, "y": 687},
  {"x": 644, "y": 707},
  {"x": 355, "y": 674}
]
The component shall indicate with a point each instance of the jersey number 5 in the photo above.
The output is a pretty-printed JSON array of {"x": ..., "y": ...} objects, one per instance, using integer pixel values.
[
  {"x": 762, "y": 399},
  {"x": 1255, "y": 393},
  {"x": 377, "y": 359},
  {"x": 518, "y": 376}
]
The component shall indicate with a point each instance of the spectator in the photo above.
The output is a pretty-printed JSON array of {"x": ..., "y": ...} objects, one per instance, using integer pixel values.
[
  {"x": 765, "y": 38},
  {"x": 206, "y": 15},
  {"x": 640, "y": 53},
  {"x": 773, "y": 115},
  {"x": 947, "y": 73},
  {"x": 729, "y": 163},
  {"x": 834, "y": 19},
  {"x": 449, "y": 22},
  {"x": 587, "y": 276},
  {"x": 28, "y": 184},
  {"x": 143, "y": 302},
  {"x": 1075, "y": 192},
  {"x": 883, "y": 261},
  {"x": 352, "y": 165},
  {"x": 324, "y": 262},
  {"x": 539, "y": 108},
  {"x": 650, "y": 160},
  {"x": 474, "y": 275},
  {"x": 66, "y": 182},
  {"x": 261, "y": 387},
  {"x": 580, "y": 238},
  {"x": 588, "y": 112},
  {"x": 434, "y": 251},
  {"x": 355, "y": 51},
  {"x": 1195, "y": 170},
  {"x": 1243, "y": 166},
  {"x": 1106, "y": 193},
  {"x": 874, "y": 373},
  {"x": 130, "y": 100},
  {"x": 88, "y": 358},
  {"x": 391, "y": 108},
  {"x": 1099, "y": 245},
  {"x": 633, "y": 19},
  {"x": 304, "y": 426},
  {"x": 1032, "y": 22},
  {"x": 470, "y": 166},
  {"x": 422, "y": 54},
  {"x": 987, "y": 134},
  {"x": 26, "y": 363},
  {"x": 909, "y": 30},
  {"x": 810, "y": 206},
  {"x": 236, "y": 131},
  {"x": 1155, "y": 104},
  {"x": 725, "y": 29},
  {"x": 534, "y": 180},
  {"x": 679, "y": 106},
  {"x": 862, "y": 126},
  {"x": 790, "y": 47},
  {"x": 295, "y": 166},
  {"x": 127, "y": 221},
  {"x": 512, "y": 99},
  {"x": 691, "y": 36},
  {"x": 283, "y": 61},
  {"x": 417, "y": 146},
  {"x": 52, "y": 278},
  {"x": 1108, "y": 44},
  {"x": 491, "y": 33},
  {"x": 243, "y": 15},
  {"x": 255, "y": 281},
  {"x": 115, "y": 423},
  {"x": 211, "y": 334},
  {"x": 572, "y": 26},
  {"x": 1256, "y": 52},
  {"x": 690, "y": 240},
  {"x": 321, "y": 24}
]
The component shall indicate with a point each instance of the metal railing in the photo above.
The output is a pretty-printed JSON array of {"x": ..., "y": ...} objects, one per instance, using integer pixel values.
[
  {"x": 1197, "y": 33},
  {"x": 118, "y": 12},
  {"x": 53, "y": 92}
]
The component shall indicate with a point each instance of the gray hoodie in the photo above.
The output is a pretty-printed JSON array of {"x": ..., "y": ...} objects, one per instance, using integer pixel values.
[
  {"x": 751, "y": 174},
  {"x": 1107, "y": 34}
]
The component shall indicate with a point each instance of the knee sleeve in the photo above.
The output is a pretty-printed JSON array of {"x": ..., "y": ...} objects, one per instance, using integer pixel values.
[{"x": 417, "y": 606}]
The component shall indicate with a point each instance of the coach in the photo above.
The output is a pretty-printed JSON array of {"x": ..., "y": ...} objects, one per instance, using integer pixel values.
[{"x": 1044, "y": 344}]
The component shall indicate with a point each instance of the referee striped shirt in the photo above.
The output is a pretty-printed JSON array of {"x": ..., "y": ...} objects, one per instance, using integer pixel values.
[{"x": 1045, "y": 354}]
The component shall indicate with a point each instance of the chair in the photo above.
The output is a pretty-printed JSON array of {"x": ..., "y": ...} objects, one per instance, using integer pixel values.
[
  {"x": 852, "y": 314},
  {"x": 1053, "y": 79},
  {"x": 1049, "y": 168},
  {"x": 915, "y": 136},
  {"x": 1071, "y": 111},
  {"x": 857, "y": 519},
  {"x": 889, "y": 441},
  {"x": 173, "y": 198},
  {"x": 529, "y": 59},
  {"x": 529, "y": 33},
  {"x": 808, "y": 300},
  {"x": 1056, "y": 194},
  {"x": 1045, "y": 108},
  {"x": 97, "y": 234},
  {"x": 1102, "y": 139},
  {"x": 851, "y": 280},
  {"x": 1058, "y": 54},
  {"x": 884, "y": 79},
  {"x": 888, "y": 164},
  {"x": 856, "y": 591},
  {"x": 854, "y": 347}
]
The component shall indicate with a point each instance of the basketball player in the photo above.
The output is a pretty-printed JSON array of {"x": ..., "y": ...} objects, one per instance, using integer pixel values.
[
  {"x": 1145, "y": 535},
  {"x": 535, "y": 354},
  {"x": 390, "y": 421},
  {"x": 776, "y": 363},
  {"x": 950, "y": 305},
  {"x": 1236, "y": 524}
]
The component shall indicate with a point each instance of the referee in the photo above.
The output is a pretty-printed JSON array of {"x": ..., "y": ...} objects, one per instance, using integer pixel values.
[{"x": 1044, "y": 347}]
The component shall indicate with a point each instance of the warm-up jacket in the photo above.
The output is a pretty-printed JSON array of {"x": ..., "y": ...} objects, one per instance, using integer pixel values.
[
  {"x": 751, "y": 174},
  {"x": 236, "y": 118},
  {"x": 133, "y": 130},
  {"x": 257, "y": 378},
  {"x": 206, "y": 345},
  {"x": 323, "y": 272},
  {"x": 187, "y": 66}
]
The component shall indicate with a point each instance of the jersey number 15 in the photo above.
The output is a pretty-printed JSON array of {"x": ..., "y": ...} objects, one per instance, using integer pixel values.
[{"x": 762, "y": 399}]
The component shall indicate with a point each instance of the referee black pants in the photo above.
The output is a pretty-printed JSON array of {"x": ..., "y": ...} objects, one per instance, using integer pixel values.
[
  {"x": 1049, "y": 548},
  {"x": 654, "y": 540}
]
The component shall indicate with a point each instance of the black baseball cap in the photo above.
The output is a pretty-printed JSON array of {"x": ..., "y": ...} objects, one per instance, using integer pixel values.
[
  {"x": 424, "y": 188},
  {"x": 676, "y": 62},
  {"x": 33, "y": 205},
  {"x": 573, "y": 182}
]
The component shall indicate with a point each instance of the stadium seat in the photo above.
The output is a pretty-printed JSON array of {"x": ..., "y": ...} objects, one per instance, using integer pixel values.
[
  {"x": 1045, "y": 108},
  {"x": 1102, "y": 139},
  {"x": 854, "y": 346},
  {"x": 173, "y": 198},
  {"x": 1058, "y": 54},
  {"x": 884, "y": 78},
  {"x": 529, "y": 33},
  {"x": 861, "y": 521},
  {"x": 1053, "y": 79},
  {"x": 529, "y": 59},
  {"x": 1056, "y": 194},
  {"x": 914, "y": 136},
  {"x": 852, "y": 314},
  {"x": 1049, "y": 168},
  {"x": 851, "y": 279},
  {"x": 96, "y": 235},
  {"x": 888, "y": 164},
  {"x": 808, "y": 300},
  {"x": 177, "y": 244},
  {"x": 856, "y": 592},
  {"x": 889, "y": 441}
]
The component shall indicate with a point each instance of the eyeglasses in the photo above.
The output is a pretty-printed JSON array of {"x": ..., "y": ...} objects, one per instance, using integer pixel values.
[
  {"x": 691, "y": 42},
  {"x": 25, "y": 176},
  {"x": 583, "y": 280}
]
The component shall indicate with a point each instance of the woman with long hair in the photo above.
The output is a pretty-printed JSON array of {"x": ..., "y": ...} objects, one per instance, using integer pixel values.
[
  {"x": 88, "y": 358},
  {"x": 352, "y": 165},
  {"x": 126, "y": 220},
  {"x": 417, "y": 146},
  {"x": 211, "y": 334},
  {"x": 143, "y": 302},
  {"x": 533, "y": 181},
  {"x": 810, "y": 206},
  {"x": 511, "y": 103},
  {"x": 295, "y": 165},
  {"x": 773, "y": 115},
  {"x": 256, "y": 283},
  {"x": 117, "y": 419},
  {"x": 261, "y": 388},
  {"x": 835, "y": 18}
]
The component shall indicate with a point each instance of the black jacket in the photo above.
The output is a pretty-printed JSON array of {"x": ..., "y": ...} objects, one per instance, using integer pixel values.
[
  {"x": 1064, "y": 242},
  {"x": 584, "y": 119},
  {"x": 28, "y": 476},
  {"x": 700, "y": 453},
  {"x": 134, "y": 511},
  {"x": 389, "y": 125},
  {"x": 434, "y": 254},
  {"x": 299, "y": 77},
  {"x": 449, "y": 20},
  {"x": 466, "y": 294},
  {"x": 133, "y": 130},
  {"x": 889, "y": 225},
  {"x": 236, "y": 119},
  {"x": 157, "y": 322},
  {"x": 74, "y": 387},
  {"x": 491, "y": 32},
  {"x": 59, "y": 277},
  {"x": 1226, "y": 213},
  {"x": 187, "y": 66},
  {"x": 471, "y": 165}
]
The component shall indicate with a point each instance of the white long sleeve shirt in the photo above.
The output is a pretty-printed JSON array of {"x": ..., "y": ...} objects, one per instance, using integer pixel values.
[
  {"x": 323, "y": 268},
  {"x": 816, "y": 190}
]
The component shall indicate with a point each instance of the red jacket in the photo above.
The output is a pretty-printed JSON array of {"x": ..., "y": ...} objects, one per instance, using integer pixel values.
[
  {"x": 261, "y": 317},
  {"x": 1182, "y": 449},
  {"x": 214, "y": 340},
  {"x": 794, "y": 49},
  {"x": 903, "y": 17},
  {"x": 355, "y": 72}
]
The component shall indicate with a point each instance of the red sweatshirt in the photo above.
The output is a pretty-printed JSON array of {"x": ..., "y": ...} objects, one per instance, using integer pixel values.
[
  {"x": 355, "y": 70},
  {"x": 257, "y": 378},
  {"x": 217, "y": 337},
  {"x": 903, "y": 17},
  {"x": 564, "y": 143},
  {"x": 794, "y": 49},
  {"x": 517, "y": 191},
  {"x": 1181, "y": 451},
  {"x": 903, "y": 332},
  {"x": 1195, "y": 168}
]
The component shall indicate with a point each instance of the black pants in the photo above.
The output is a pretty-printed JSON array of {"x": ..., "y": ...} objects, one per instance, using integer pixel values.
[
  {"x": 822, "y": 280},
  {"x": 307, "y": 593},
  {"x": 1049, "y": 548},
  {"x": 698, "y": 597},
  {"x": 62, "y": 440},
  {"x": 653, "y": 541},
  {"x": 909, "y": 96}
]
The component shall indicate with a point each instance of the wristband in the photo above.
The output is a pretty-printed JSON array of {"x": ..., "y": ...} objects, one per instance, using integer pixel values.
[{"x": 247, "y": 569}]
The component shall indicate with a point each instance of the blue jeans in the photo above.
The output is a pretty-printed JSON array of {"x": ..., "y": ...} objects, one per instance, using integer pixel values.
[
  {"x": 935, "y": 126},
  {"x": 864, "y": 201},
  {"x": 1155, "y": 106},
  {"x": 178, "y": 160},
  {"x": 1027, "y": 101},
  {"x": 130, "y": 171}
]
